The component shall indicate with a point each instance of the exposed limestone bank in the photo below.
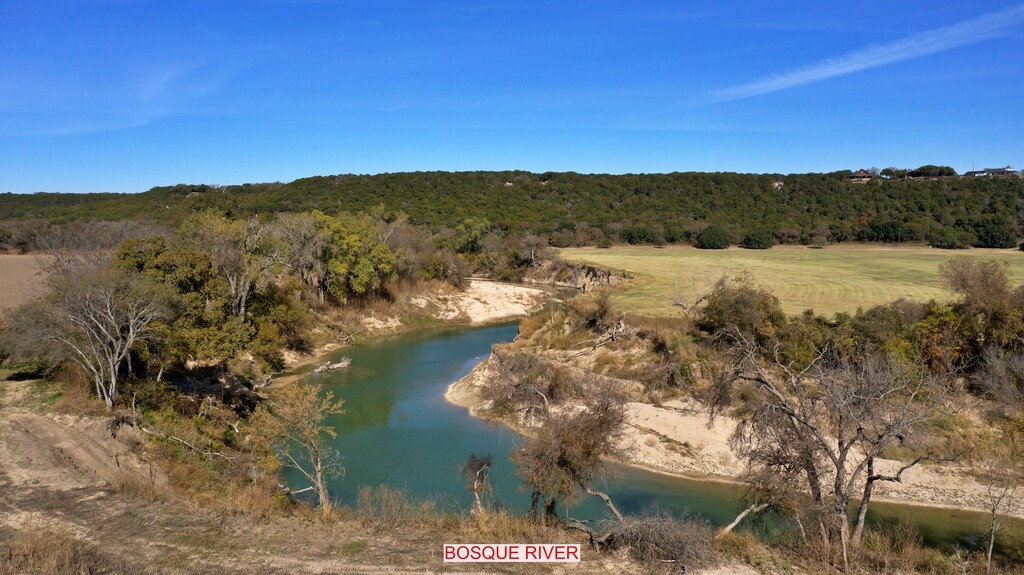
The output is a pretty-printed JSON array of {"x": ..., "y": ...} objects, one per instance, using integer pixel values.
[
  {"x": 675, "y": 438},
  {"x": 482, "y": 302},
  {"x": 584, "y": 277}
]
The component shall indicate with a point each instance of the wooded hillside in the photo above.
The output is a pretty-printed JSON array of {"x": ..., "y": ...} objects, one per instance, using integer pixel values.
[{"x": 580, "y": 209}]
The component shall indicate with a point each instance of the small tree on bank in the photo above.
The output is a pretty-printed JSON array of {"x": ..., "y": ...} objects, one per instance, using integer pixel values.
[
  {"x": 295, "y": 425},
  {"x": 565, "y": 456},
  {"x": 476, "y": 470}
]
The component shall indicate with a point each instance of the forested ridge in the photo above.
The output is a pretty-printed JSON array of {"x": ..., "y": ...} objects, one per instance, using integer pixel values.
[{"x": 582, "y": 209}]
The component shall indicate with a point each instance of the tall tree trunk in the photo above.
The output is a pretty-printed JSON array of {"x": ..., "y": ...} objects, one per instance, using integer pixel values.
[
  {"x": 549, "y": 511},
  {"x": 843, "y": 537},
  {"x": 862, "y": 511},
  {"x": 534, "y": 501},
  {"x": 112, "y": 388},
  {"x": 321, "y": 488},
  {"x": 988, "y": 552}
]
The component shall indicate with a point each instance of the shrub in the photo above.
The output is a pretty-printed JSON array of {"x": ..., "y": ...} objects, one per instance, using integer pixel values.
[
  {"x": 950, "y": 238},
  {"x": 758, "y": 240},
  {"x": 641, "y": 235},
  {"x": 674, "y": 233},
  {"x": 386, "y": 507},
  {"x": 658, "y": 538},
  {"x": 592, "y": 311},
  {"x": 713, "y": 238},
  {"x": 890, "y": 231},
  {"x": 740, "y": 305}
]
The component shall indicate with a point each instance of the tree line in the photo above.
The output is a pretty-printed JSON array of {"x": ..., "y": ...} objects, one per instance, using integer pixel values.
[{"x": 571, "y": 209}]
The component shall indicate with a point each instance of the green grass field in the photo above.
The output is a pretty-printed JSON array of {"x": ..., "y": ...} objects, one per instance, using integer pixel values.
[{"x": 837, "y": 278}]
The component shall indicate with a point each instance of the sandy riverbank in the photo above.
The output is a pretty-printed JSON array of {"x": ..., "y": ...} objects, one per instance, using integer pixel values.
[
  {"x": 482, "y": 302},
  {"x": 677, "y": 439}
]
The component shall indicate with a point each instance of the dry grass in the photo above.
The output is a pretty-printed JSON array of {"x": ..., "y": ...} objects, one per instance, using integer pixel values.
[
  {"x": 45, "y": 552},
  {"x": 838, "y": 278},
  {"x": 20, "y": 279}
]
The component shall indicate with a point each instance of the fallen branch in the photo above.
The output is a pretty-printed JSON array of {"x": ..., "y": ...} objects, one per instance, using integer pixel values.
[
  {"x": 754, "y": 508},
  {"x": 205, "y": 452}
]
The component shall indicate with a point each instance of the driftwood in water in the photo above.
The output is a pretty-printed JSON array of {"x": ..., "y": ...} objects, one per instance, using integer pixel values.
[{"x": 345, "y": 362}]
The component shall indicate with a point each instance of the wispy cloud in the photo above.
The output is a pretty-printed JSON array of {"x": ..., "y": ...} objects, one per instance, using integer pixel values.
[
  {"x": 939, "y": 40},
  {"x": 127, "y": 96}
]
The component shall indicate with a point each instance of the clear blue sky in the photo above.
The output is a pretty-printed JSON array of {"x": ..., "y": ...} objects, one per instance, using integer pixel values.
[{"x": 123, "y": 95}]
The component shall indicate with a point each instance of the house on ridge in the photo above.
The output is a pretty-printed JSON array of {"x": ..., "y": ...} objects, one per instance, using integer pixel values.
[
  {"x": 992, "y": 173},
  {"x": 861, "y": 176}
]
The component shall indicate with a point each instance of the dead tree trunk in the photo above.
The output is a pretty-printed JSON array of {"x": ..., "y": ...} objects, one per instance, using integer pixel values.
[{"x": 754, "y": 508}]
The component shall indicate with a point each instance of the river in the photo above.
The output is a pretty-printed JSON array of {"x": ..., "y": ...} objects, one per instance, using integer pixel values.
[{"x": 398, "y": 429}]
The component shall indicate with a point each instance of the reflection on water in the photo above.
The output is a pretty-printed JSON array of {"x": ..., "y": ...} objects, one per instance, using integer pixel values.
[{"x": 398, "y": 429}]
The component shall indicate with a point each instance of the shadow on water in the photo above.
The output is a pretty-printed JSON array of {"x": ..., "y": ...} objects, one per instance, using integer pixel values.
[{"x": 399, "y": 430}]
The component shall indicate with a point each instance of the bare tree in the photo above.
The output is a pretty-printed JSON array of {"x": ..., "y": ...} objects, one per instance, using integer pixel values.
[
  {"x": 295, "y": 423},
  {"x": 308, "y": 250},
  {"x": 828, "y": 422},
  {"x": 93, "y": 320},
  {"x": 1002, "y": 473},
  {"x": 477, "y": 470}
]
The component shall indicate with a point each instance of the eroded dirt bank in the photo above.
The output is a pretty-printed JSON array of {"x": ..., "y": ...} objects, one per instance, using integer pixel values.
[{"x": 676, "y": 438}]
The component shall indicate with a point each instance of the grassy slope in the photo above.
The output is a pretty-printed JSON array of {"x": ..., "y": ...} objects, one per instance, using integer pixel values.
[{"x": 838, "y": 278}]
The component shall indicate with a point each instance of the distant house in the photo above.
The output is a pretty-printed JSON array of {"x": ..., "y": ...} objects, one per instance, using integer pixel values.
[
  {"x": 991, "y": 173},
  {"x": 861, "y": 176}
]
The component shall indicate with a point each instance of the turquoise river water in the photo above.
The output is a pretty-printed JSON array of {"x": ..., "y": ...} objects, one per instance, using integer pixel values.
[{"x": 398, "y": 429}]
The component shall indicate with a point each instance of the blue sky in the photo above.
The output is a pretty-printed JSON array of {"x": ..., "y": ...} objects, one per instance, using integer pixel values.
[{"x": 123, "y": 95}]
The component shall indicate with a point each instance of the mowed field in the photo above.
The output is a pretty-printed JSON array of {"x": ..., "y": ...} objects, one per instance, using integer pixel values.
[
  {"x": 19, "y": 280},
  {"x": 837, "y": 278}
]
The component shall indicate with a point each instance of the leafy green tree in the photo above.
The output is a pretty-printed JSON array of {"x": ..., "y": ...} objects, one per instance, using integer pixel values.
[
  {"x": 469, "y": 235},
  {"x": 713, "y": 238},
  {"x": 640, "y": 235},
  {"x": 206, "y": 329},
  {"x": 951, "y": 238},
  {"x": 930, "y": 171},
  {"x": 993, "y": 232},
  {"x": 358, "y": 262},
  {"x": 889, "y": 231},
  {"x": 241, "y": 251},
  {"x": 758, "y": 240}
]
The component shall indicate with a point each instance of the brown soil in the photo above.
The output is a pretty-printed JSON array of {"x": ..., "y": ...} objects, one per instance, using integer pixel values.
[{"x": 20, "y": 279}]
